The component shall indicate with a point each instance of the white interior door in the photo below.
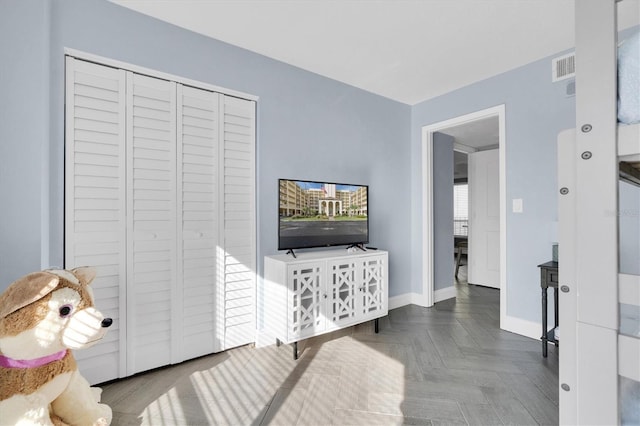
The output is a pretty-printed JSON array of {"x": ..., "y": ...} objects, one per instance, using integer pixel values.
[
  {"x": 484, "y": 218},
  {"x": 152, "y": 320},
  {"x": 238, "y": 222},
  {"x": 95, "y": 219},
  {"x": 160, "y": 198},
  {"x": 198, "y": 203}
]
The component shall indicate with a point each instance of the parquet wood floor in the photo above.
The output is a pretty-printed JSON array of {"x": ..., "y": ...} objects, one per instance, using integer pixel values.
[{"x": 449, "y": 364}]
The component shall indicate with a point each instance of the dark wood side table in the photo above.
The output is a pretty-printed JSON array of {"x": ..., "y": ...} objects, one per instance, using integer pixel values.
[{"x": 549, "y": 278}]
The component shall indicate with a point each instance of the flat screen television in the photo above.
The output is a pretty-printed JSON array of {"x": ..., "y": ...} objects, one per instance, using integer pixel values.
[{"x": 322, "y": 214}]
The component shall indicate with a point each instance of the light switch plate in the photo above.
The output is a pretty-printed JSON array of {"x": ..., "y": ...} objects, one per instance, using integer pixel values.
[{"x": 517, "y": 205}]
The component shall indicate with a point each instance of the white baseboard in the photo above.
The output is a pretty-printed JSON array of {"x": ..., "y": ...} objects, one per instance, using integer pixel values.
[
  {"x": 419, "y": 299},
  {"x": 264, "y": 338},
  {"x": 444, "y": 294},
  {"x": 402, "y": 300},
  {"x": 407, "y": 299},
  {"x": 522, "y": 327}
]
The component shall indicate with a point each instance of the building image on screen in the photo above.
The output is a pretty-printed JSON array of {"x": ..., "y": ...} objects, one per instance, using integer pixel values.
[{"x": 316, "y": 214}]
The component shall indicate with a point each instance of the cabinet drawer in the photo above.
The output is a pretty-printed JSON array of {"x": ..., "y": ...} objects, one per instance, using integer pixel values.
[{"x": 552, "y": 277}]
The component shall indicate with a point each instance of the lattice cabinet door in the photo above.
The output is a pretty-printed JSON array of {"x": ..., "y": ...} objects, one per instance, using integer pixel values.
[
  {"x": 373, "y": 286},
  {"x": 306, "y": 299},
  {"x": 342, "y": 289}
]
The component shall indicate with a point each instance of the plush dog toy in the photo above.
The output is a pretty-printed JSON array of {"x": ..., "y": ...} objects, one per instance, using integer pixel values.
[{"x": 42, "y": 317}]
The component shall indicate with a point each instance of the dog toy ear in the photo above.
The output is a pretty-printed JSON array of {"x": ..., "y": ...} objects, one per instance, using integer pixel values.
[
  {"x": 85, "y": 274},
  {"x": 26, "y": 290}
]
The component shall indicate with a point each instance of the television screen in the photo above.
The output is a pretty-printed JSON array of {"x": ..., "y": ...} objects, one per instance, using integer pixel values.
[{"x": 320, "y": 214}]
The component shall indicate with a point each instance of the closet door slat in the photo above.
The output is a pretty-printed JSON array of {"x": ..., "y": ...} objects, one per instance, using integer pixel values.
[
  {"x": 198, "y": 128},
  {"x": 238, "y": 152},
  {"x": 151, "y": 222},
  {"x": 95, "y": 202}
]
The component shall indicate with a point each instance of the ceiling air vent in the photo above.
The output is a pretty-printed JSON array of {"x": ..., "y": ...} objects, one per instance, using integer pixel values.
[{"x": 563, "y": 67}]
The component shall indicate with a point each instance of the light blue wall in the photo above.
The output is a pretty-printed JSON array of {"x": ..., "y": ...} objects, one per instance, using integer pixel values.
[
  {"x": 24, "y": 128},
  {"x": 442, "y": 211},
  {"x": 309, "y": 127},
  {"x": 536, "y": 110}
]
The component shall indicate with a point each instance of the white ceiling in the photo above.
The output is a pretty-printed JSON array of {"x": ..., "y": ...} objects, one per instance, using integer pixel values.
[
  {"x": 406, "y": 50},
  {"x": 478, "y": 134}
]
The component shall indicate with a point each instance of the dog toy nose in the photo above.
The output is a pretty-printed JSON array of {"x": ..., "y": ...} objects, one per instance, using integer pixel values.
[{"x": 106, "y": 322}]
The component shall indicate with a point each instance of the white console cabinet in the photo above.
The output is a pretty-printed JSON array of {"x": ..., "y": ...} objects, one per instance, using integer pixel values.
[{"x": 322, "y": 291}]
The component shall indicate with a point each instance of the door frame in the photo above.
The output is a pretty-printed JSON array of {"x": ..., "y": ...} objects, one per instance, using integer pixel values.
[{"x": 427, "y": 201}]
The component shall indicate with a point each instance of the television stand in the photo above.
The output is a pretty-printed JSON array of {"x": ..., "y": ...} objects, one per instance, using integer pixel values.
[
  {"x": 321, "y": 292},
  {"x": 292, "y": 253},
  {"x": 360, "y": 246}
]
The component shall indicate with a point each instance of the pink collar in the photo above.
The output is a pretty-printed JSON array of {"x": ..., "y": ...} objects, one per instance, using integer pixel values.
[{"x": 7, "y": 362}]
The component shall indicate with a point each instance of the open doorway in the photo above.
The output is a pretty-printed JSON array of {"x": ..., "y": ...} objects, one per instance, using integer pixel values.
[
  {"x": 465, "y": 129},
  {"x": 477, "y": 191}
]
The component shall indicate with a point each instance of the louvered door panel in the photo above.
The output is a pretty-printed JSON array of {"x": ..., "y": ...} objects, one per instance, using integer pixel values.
[
  {"x": 198, "y": 133},
  {"x": 95, "y": 201},
  {"x": 151, "y": 186},
  {"x": 160, "y": 198},
  {"x": 238, "y": 176}
]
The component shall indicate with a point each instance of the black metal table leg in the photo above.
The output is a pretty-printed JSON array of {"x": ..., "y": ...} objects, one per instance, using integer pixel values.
[
  {"x": 556, "y": 314},
  {"x": 375, "y": 325},
  {"x": 544, "y": 322},
  {"x": 549, "y": 278},
  {"x": 295, "y": 351}
]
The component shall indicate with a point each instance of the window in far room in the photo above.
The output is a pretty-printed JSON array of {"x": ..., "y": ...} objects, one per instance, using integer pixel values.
[{"x": 460, "y": 209}]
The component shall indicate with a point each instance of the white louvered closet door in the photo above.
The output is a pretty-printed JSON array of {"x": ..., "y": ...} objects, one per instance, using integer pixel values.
[
  {"x": 160, "y": 198},
  {"x": 238, "y": 227},
  {"x": 95, "y": 202},
  {"x": 198, "y": 135},
  {"x": 153, "y": 322}
]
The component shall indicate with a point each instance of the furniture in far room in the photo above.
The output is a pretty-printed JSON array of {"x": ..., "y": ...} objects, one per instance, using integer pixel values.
[
  {"x": 462, "y": 247},
  {"x": 549, "y": 278}
]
